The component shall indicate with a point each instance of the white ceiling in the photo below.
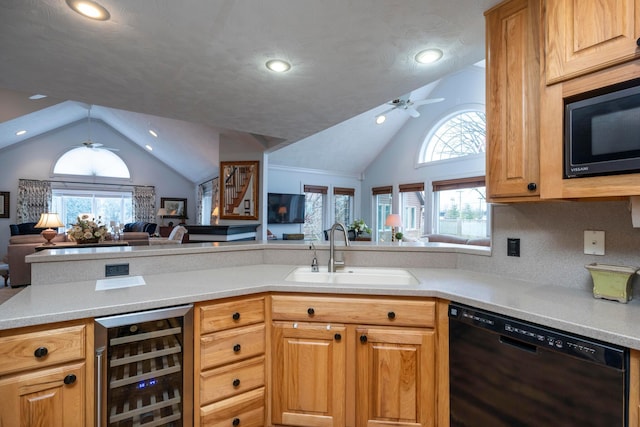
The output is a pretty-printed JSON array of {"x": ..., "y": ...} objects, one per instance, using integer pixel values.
[{"x": 201, "y": 64}]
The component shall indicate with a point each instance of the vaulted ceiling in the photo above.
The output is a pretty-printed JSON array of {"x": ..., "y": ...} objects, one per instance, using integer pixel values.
[{"x": 198, "y": 68}]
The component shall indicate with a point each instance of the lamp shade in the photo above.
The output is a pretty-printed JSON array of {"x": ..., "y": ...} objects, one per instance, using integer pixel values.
[
  {"x": 215, "y": 212},
  {"x": 162, "y": 212},
  {"x": 49, "y": 220},
  {"x": 393, "y": 220}
]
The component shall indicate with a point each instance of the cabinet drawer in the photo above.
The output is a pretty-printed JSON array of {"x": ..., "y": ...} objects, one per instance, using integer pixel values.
[
  {"x": 226, "y": 315},
  {"x": 383, "y": 311},
  {"x": 231, "y": 380},
  {"x": 41, "y": 348},
  {"x": 224, "y": 347},
  {"x": 246, "y": 408}
]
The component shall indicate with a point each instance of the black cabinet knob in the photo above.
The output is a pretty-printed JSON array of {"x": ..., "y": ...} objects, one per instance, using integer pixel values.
[
  {"x": 391, "y": 315},
  {"x": 236, "y": 316},
  {"x": 311, "y": 311},
  {"x": 532, "y": 186},
  {"x": 638, "y": 42},
  {"x": 337, "y": 337},
  {"x": 236, "y": 348},
  {"x": 236, "y": 382},
  {"x": 69, "y": 379},
  {"x": 236, "y": 422},
  {"x": 40, "y": 352},
  {"x": 363, "y": 339}
]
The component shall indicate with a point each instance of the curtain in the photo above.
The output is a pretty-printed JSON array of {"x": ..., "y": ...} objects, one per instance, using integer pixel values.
[
  {"x": 202, "y": 188},
  {"x": 34, "y": 198},
  {"x": 144, "y": 203}
]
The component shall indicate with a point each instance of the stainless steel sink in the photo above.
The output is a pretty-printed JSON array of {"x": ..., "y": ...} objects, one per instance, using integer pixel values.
[{"x": 354, "y": 276}]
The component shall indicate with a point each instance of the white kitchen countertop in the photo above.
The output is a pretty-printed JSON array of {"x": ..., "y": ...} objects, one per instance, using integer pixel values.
[{"x": 568, "y": 309}]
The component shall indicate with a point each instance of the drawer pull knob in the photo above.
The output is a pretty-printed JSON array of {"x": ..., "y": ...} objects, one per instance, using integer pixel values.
[
  {"x": 311, "y": 311},
  {"x": 69, "y": 379},
  {"x": 391, "y": 315},
  {"x": 532, "y": 186},
  {"x": 236, "y": 421},
  {"x": 363, "y": 339},
  {"x": 40, "y": 352},
  {"x": 638, "y": 42},
  {"x": 236, "y": 348},
  {"x": 337, "y": 337},
  {"x": 236, "y": 316},
  {"x": 236, "y": 382}
]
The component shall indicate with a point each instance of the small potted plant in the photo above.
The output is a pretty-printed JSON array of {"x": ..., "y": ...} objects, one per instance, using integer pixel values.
[
  {"x": 359, "y": 226},
  {"x": 399, "y": 236}
]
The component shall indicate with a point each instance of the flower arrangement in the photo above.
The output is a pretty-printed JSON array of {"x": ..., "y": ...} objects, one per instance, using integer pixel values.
[
  {"x": 360, "y": 226},
  {"x": 87, "y": 229}
]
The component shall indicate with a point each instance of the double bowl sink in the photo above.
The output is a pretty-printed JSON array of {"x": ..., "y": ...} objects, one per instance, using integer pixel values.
[{"x": 354, "y": 276}]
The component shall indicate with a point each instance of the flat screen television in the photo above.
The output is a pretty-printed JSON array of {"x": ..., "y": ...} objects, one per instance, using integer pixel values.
[{"x": 285, "y": 208}]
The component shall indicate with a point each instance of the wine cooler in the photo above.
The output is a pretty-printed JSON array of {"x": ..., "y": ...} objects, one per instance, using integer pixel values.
[{"x": 144, "y": 369}]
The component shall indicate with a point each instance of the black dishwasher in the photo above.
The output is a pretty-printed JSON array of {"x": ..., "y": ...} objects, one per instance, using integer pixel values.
[{"x": 508, "y": 373}]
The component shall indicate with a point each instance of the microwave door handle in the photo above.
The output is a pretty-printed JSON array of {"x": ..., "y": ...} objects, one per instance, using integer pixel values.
[{"x": 99, "y": 353}]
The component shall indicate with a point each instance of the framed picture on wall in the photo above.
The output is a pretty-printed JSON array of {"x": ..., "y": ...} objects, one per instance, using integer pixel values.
[
  {"x": 4, "y": 204},
  {"x": 176, "y": 207}
]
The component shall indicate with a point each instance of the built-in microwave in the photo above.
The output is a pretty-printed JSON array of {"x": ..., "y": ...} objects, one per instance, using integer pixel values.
[{"x": 602, "y": 132}]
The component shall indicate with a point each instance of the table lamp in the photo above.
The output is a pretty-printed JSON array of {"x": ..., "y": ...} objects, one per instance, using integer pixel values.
[
  {"x": 49, "y": 221},
  {"x": 215, "y": 214},
  {"x": 162, "y": 212},
  {"x": 393, "y": 221}
]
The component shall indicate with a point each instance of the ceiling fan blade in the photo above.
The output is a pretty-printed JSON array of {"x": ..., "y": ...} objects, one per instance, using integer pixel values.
[
  {"x": 428, "y": 101},
  {"x": 412, "y": 112}
]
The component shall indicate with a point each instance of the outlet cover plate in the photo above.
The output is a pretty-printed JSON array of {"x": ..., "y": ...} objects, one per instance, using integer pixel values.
[{"x": 593, "y": 242}]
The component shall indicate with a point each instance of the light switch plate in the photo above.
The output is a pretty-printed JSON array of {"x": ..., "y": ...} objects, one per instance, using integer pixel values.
[{"x": 593, "y": 242}]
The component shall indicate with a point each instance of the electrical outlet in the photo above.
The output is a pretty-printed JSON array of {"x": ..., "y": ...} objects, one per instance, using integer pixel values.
[
  {"x": 593, "y": 242},
  {"x": 513, "y": 247},
  {"x": 111, "y": 270}
]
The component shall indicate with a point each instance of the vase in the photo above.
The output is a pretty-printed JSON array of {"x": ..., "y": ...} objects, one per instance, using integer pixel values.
[{"x": 87, "y": 241}]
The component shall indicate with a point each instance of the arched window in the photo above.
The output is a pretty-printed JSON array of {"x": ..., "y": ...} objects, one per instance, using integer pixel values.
[
  {"x": 460, "y": 134},
  {"x": 91, "y": 162}
]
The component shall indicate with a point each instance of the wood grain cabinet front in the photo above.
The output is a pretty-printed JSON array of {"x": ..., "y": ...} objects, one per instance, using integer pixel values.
[
  {"x": 330, "y": 370},
  {"x": 589, "y": 35},
  {"x": 45, "y": 376},
  {"x": 230, "y": 376}
]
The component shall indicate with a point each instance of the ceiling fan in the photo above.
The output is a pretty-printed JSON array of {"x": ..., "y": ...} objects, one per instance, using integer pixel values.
[
  {"x": 409, "y": 106},
  {"x": 89, "y": 143}
]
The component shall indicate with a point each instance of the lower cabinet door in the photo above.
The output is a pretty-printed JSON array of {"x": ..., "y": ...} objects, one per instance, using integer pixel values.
[
  {"x": 395, "y": 377},
  {"x": 309, "y": 363},
  {"x": 50, "y": 397}
]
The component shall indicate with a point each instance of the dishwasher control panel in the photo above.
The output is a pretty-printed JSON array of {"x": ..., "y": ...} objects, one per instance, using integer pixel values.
[{"x": 536, "y": 336}]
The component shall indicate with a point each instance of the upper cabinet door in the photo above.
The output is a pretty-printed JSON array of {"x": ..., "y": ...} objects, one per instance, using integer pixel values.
[
  {"x": 588, "y": 35},
  {"x": 513, "y": 97}
]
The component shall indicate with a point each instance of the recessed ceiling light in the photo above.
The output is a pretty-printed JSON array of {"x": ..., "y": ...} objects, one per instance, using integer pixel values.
[
  {"x": 153, "y": 133},
  {"x": 90, "y": 9},
  {"x": 37, "y": 96},
  {"x": 21, "y": 132},
  {"x": 148, "y": 147},
  {"x": 380, "y": 119},
  {"x": 278, "y": 65},
  {"x": 429, "y": 56}
]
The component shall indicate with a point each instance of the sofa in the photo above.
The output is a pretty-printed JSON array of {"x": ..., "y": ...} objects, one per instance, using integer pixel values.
[
  {"x": 450, "y": 238},
  {"x": 19, "y": 247},
  {"x": 140, "y": 226},
  {"x": 24, "y": 228}
]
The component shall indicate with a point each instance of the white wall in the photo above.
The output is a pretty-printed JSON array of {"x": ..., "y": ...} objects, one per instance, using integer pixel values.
[
  {"x": 35, "y": 157},
  {"x": 397, "y": 163}
]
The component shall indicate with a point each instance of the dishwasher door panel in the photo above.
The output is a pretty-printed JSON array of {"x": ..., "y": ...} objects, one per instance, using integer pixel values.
[{"x": 501, "y": 382}]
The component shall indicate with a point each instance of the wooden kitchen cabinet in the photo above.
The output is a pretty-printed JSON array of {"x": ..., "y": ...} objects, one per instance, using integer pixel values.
[
  {"x": 589, "y": 35},
  {"x": 513, "y": 101},
  {"x": 230, "y": 378},
  {"x": 46, "y": 376},
  {"x": 358, "y": 361},
  {"x": 634, "y": 389}
]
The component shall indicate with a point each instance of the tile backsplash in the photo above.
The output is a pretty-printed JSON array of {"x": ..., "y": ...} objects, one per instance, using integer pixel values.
[{"x": 552, "y": 241}]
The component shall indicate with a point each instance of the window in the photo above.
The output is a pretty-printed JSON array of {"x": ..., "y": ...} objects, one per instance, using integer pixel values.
[
  {"x": 314, "y": 202},
  {"x": 110, "y": 206},
  {"x": 461, "y": 207},
  {"x": 460, "y": 134},
  {"x": 382, "y": 203},
  {"x": 343, "y": 201},
  {"x": 91, "y": 162},
  {"x": 412, "y": 210}
]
